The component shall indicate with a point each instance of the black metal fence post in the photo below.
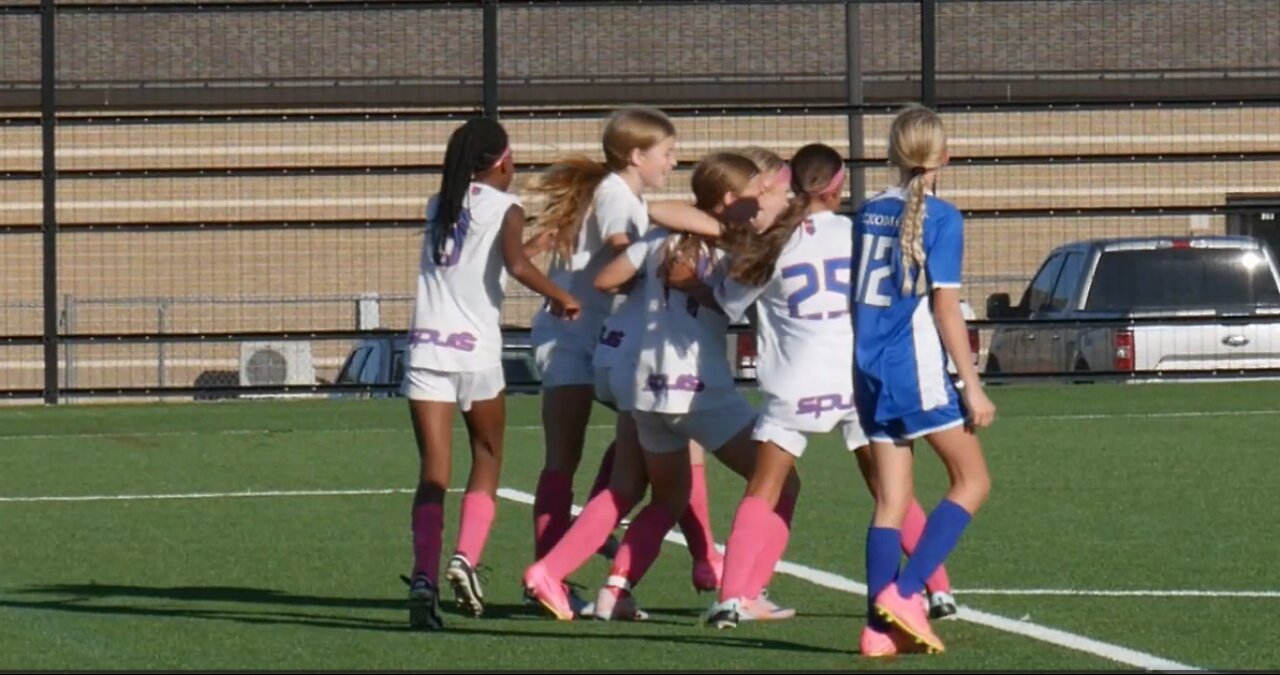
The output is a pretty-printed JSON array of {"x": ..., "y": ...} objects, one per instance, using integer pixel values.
[
  {"x": 490, "y": 38},
  {"x": 929, "y": 53},
  {"x": 49, "y": 177},
  {"x": 854, "y": 97}
]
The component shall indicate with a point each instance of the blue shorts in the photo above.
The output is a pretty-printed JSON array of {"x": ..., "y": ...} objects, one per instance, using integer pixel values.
[{"x": 909, "y": 427}]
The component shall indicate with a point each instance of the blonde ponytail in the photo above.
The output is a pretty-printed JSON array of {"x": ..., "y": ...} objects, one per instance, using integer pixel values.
[{"x": 911, "y": 237}]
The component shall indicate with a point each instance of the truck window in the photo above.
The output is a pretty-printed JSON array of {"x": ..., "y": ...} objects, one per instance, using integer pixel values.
[
  {"x": 1068, "y": 282},
  {"x": 371, "y": 373},
  {"x": 397, "y": 367},
  {"x": 1041, "y": 288},
  {"x": 355, "y": 363},
  {"x": 1182, "y": 278}
]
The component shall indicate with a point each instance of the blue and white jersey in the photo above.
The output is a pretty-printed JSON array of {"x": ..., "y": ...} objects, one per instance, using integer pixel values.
[{"x": 900, "y": 364}]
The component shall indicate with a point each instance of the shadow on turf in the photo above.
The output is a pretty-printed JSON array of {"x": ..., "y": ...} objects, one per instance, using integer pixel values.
[{"x": 75, "y": 596}]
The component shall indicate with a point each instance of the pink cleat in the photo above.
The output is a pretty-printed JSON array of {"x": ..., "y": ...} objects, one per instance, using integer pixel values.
[
  {"x": 876, "y": 644},
  {"x": 909, "y": 616},
  {"x": 616, "y": 603},
  {"x": 764, "y": 609},
  {"x": 548, "y": 591}
]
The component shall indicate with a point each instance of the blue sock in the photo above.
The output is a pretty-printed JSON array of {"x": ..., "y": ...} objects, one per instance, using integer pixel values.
[
  {"x": 884, "y": 551},
  {"x": 941, "y": 532}
]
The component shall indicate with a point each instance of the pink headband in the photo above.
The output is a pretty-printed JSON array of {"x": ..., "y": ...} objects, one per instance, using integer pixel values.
[
  {"x": 501, "y": 158},
  {"x": 836, "y": 184}
]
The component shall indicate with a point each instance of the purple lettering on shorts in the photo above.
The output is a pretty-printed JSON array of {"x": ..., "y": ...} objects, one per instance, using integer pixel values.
[
  {"x": 664, "y": 382},
  {"x": 816, "y": 405},
  {"x": 611, "y": 338},
  {"x": 463, "y": 342}
]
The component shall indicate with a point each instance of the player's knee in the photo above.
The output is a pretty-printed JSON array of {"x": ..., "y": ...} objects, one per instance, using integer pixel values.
[
  {"x": 627, "y": 496},
  {"x": 973, "y": 491}
]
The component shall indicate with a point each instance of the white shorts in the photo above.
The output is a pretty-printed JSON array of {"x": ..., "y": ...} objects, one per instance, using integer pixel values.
[
  {"x": 667, "y": 432},
  {"x": 781, "y": 422},
  {"x": 564, "y": 365},
  {"x": 616, "y": 386},
  {"x": 422, "y": 384}
]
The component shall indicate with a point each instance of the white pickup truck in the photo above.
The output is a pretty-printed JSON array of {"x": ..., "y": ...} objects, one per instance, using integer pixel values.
[{"x": 1219, "y": 295}]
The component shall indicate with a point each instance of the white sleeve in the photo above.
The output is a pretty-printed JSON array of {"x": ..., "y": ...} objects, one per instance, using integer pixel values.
[
  {"x": 735, "y": 298},
  {"x": 614, "y": 211},
  {"x": 638, "y": 252}
]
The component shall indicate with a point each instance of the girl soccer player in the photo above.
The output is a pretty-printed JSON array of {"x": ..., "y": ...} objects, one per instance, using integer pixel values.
[
  {"x": 590, "y": 206},
  {"x": 683, "y": 388},
  {"x": 794, "y": 274},
  {"x": 908, "y": 247},
  {"x": 474, "y": 235}
]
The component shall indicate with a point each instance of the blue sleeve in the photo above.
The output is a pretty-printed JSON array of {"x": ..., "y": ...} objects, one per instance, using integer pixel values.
[{"x": 944, "y": 257}]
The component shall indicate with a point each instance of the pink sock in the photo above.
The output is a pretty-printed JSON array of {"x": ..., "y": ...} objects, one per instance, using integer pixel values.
[
  {"x": 747, "y": 539},
  {"x": 695, "y": 523},
  {"x": 604, "y": 472},
  {"x": 642, "y": 543},
  {"x": 912, "y": 530},
  {"x": 551, "y": 504},
  {"x": 586, "y": 534},
  {"x": 428, "y": 529},
  {"x": 473, "y": 525},
  {"x": 775, "y": 544}
]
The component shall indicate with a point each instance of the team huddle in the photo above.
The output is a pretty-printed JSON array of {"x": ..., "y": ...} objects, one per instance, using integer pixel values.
[{"x": 859, "y": 329}]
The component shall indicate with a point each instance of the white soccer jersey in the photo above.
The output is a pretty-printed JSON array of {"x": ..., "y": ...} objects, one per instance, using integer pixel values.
[
  {"x": 682, "y": 364},
  {"x": 613, "y": 207},
  {"x": 455, "y": 325},
  {"x": 618, "y": 342},
  {"x": 804, "y": 331}
]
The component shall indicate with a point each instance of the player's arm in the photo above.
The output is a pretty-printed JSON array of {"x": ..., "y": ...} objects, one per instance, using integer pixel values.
[
  {"x": 683, "y": 217},
  {"x": 943, "y": 265},
  {"x": 681, "y": 274},
  {"x": 613, "y": 214},
  {"x": 617, "y": 275},
  {"x": 523, "y": 270}
]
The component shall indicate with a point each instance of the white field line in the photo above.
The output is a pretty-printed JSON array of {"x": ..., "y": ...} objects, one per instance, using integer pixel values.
[
  {"x": 593, "y": 427},
  {"x": 1053, "y": 636},
  {"x": 1104, "y": 593},
  {"x": 1080, "y": 643},
  {"x": 246, "y": 494}
]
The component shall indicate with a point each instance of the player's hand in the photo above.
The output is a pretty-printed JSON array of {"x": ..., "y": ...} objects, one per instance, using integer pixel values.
[
  {"x": 982, "y": 412},
  {"x": 682, "y": 273},
  {"x": 569, "y": 308},
  {"x": 539, "y": 243}
]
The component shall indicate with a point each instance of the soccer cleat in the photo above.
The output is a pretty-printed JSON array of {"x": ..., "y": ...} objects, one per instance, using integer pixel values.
[
  {"x": 941, "y": 605},
  {"x": 763, "y": 609},
  {"x": 707, "y": 573},
  {"x": 725, "y": 614},
  {"x": 549, "y": 592},
  {"x": 467, "y": 590},
  {"x": 576, "y": 603},
  {"x": 908, "y": 616},
  {"x": 615, "y": 603},
  {"x": 424, "y": 604},
  {"x": 876, "y": 644}
]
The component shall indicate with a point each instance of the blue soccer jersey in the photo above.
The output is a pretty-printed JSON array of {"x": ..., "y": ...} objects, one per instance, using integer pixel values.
[{"x": 901, "y": 380}]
